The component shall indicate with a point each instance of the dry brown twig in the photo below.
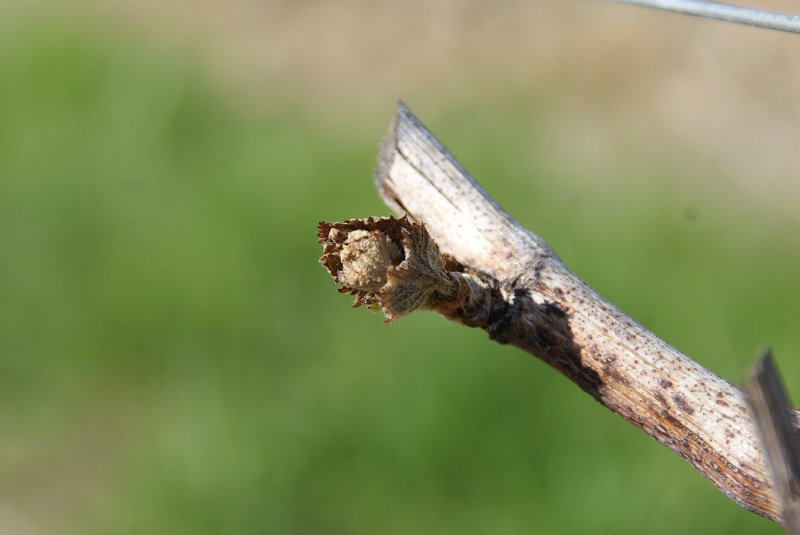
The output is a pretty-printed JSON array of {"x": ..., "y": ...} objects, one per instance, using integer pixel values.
[{"x": 496, "y": 275}]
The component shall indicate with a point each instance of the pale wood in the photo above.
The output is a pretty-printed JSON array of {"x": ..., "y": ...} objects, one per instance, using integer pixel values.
[{"x": 551, "y": 313}]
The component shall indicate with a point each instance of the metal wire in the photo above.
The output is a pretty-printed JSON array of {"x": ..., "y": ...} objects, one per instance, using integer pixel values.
[{"x": 726, "y": 12}]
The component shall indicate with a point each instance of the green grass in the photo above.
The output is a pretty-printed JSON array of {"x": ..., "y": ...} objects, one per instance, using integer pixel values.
[{"x": 174, "y": 360}]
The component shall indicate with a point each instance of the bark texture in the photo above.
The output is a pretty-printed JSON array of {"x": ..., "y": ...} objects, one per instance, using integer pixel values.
[{"x": 475, "y": 264}]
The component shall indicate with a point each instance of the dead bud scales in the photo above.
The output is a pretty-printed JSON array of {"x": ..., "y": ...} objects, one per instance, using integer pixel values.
[{"x": 396, "y": 265}]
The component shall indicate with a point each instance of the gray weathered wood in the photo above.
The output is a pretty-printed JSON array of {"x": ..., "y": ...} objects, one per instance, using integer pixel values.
[{"x": 551, "y": 313}]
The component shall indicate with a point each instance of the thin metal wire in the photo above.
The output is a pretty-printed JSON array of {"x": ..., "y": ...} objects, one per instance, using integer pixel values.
[{"x": 726, "y": 12}]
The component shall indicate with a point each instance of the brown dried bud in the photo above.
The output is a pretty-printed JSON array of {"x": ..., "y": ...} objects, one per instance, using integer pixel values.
[
  {"x": 366, "y": 257},
  {"x": 388, "y": 261}
]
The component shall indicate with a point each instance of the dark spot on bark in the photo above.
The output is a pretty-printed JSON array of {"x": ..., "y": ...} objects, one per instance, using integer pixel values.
[
  {"x": 612, "y": 374},
  {"x": 545, "y": 336},
  {"x": 553, "y": 308},
  {"x": 682, "y": 405},
  {"x": 665, "y": 384},
  {"x": 544, "y": 330},
  {"x": 503, "y": 316},
  {"x": 675, "y": 422}
]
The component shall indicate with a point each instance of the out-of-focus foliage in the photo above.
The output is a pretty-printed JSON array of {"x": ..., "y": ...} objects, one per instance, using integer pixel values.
[{"x": 174, "y": 360}]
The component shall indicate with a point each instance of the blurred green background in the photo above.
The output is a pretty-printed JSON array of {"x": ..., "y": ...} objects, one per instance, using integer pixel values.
[{"x": 174, "y": 360}]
